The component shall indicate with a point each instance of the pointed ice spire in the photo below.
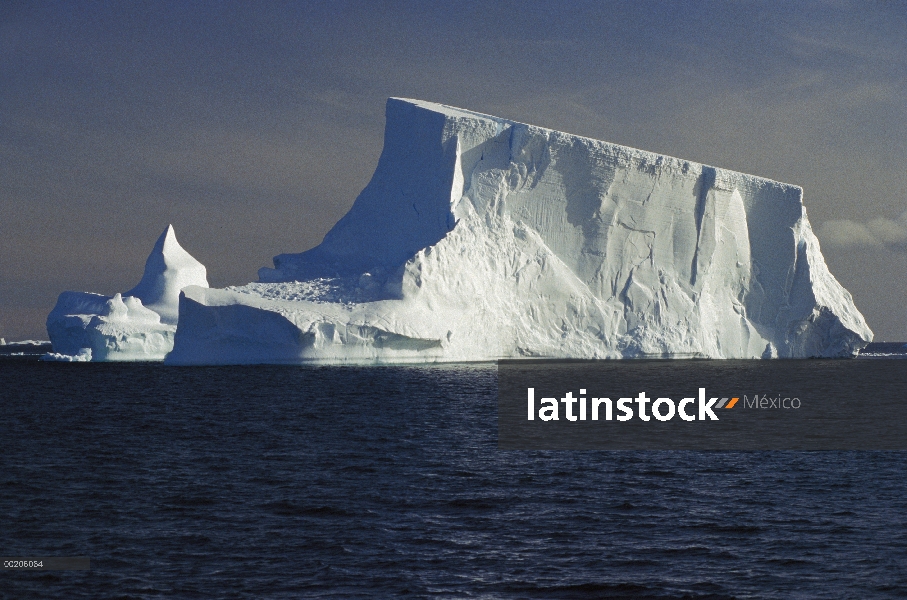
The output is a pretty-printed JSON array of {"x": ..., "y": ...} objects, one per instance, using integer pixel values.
[{"x": 168, "y": 270}]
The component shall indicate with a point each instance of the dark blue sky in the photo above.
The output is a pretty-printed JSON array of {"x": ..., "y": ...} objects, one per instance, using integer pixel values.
[{"x": 253, "y": 128}]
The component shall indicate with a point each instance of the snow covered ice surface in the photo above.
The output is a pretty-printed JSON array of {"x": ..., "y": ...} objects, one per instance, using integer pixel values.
[
  {"x": 480, "y": 238},
  {"x": 137, "y": 325}
]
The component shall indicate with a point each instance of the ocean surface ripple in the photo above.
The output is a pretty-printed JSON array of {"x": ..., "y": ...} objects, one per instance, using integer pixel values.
[{"x": 340, "y": 482}]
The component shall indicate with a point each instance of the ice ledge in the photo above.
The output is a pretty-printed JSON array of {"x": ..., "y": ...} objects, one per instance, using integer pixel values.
[{"x": 235, "y": 328}]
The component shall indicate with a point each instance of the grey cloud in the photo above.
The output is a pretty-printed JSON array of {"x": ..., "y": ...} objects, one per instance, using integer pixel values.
[{"x": 878, "y": 232}]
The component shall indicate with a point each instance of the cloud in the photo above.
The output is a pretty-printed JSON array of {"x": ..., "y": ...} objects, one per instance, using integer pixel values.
[{"x": 879, "y": 232}]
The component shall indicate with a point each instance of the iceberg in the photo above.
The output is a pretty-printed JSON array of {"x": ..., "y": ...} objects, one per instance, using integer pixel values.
[
  {"x": 136, "y": 326},
  {"x": 24, "y": 347},
  {"x": 480, "y": 238}
]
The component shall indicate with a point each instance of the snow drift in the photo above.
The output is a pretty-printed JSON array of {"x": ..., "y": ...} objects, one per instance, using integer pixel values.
[
  {"x": 481, "y": 238},
  {"x": 137, "y": 325}
]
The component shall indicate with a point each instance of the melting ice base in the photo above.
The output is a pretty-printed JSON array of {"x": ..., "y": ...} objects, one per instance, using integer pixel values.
[
  {"x": 480, "y": 238},
  {"x": 137, "y": 325}
]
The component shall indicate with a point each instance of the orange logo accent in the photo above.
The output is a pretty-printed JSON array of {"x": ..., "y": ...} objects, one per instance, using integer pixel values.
[{"x": 732, "y": 403}]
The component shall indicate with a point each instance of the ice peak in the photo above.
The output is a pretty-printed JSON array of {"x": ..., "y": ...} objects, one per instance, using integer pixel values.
[
  {"x": 167, "y": 240},
  {"x": 168, "y": 270},
  {"x": 167, "y": 246}
]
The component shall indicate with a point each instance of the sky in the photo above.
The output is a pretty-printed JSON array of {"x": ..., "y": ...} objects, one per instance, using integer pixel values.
[{"x": 252, "y": 127}]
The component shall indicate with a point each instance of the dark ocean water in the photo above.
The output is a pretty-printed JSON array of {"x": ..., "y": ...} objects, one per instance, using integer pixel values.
[{"x": 288, "y": 482}]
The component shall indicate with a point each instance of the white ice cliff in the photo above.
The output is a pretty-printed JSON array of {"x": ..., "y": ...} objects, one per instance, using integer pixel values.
[
  {"x": 480, "y": 238},
  {"x": 137, "y": 325}
]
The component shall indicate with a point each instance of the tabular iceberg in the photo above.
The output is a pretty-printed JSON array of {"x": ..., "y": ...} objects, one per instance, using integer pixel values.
[
  {"x": 481, "y": 238},
  {"x": 137, "y": 325}
]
